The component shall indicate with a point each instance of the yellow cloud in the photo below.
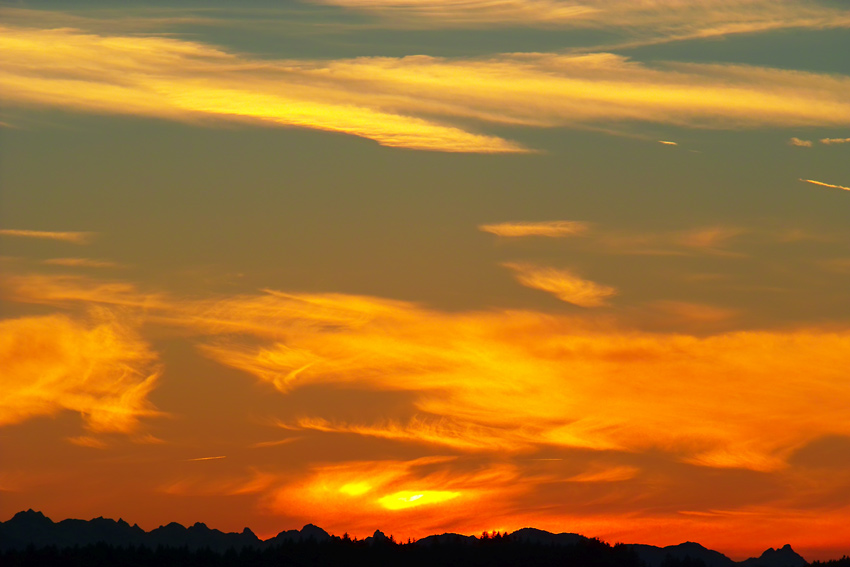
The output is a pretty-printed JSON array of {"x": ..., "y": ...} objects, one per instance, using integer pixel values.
[
  {"x": 73, "y": 237},
  {"x": 408, "y": 102},
  {"x": 182, "y": 80},
  {"x": 506, "y": 382},
  {"x": 409, "y": 495},
  {"x": 65, "y": 289},
  {"x": 413, "y": 498},
  {"x": 565, "y": 285},
  {"x": 581, "y": 386},
  {"x": 660, "y": 19},
  {"x": 552, "y": 229},
  {"x": 822, "y": 184},
  {"x": 835, "y": 141},
  {"x": 101, "y": 370}
]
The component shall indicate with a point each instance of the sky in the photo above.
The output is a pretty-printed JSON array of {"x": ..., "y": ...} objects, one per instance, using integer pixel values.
[{"x": 430, "y": 266}]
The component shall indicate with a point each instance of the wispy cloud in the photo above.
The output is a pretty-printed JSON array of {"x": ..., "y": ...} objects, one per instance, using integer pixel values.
[
  {"x": 800, "y": 143},
  {"x": 464, "y": 372},
  {"x": 188, "y": 81},
  {"x": 710, "y": 239},
  {"x": 64, "y": 289},
  {"x": 668, "y": 143},
  {"x": 100, "y": 369},
  {"x": 835, "y": 141},
  {"x": 80, "y": 263},
  {"x": 822, "y": 184},
  {"x": 410, "y": 102},
  {"x": 662, "y": 19},
  {"x": 563, "y": 284},
  {"x": 73, "y": 237},
  {"x": 552, "y": 229},
  {"x": 444, "y": 431}
]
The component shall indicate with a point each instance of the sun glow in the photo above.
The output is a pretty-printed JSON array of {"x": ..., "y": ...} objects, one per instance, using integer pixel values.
[
  {"x": 409, "y": 499},
  {"x": 355, "y": 488}
]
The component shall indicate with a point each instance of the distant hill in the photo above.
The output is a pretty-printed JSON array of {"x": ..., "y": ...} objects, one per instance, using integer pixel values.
[{"x": 32, "y": 528}]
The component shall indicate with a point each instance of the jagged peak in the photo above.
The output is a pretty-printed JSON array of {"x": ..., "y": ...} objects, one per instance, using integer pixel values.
[{"x": 31, "y": 515}]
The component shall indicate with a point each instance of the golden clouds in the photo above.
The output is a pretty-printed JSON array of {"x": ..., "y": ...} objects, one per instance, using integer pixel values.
[
  {"x": 829, "y": 141},
  {"x": 474, "y": 13},
  {"x": 408, "y": 102},
  {"x": 822, "y": 184},
  {"x": 503, "y": 382},
  {"x": 100, "y": 369},
  {"x": 73, "y": 237},
  {"x": 69, "y": 289},
  {"x": 657, "y": 19},
  {"x": 409, "y": 495},
  {"x": 553, "y": 229},
  {"x": 169, "y": 78},
  {"x": 563, "y": 284},
  {"x": 581, "y": 385},
  {"x": 411, "y": 498}
]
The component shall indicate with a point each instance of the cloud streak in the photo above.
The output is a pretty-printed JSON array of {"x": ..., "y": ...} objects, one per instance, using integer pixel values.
[
  {"x": 73, "y": 237},
  {"x": 553, "y": 229},
  {"x": 658, "y": 19},
  {"x": 822, "y": 184},
  {"x": 414, "y": 102},
  {"x": 563, "y": 284}
]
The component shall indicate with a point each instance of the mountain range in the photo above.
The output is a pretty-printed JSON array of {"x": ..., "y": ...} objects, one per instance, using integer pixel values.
[{"x": 31, "y": 528}]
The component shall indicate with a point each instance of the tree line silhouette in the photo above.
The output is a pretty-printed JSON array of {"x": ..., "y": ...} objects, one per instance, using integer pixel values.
[{"x": 492, "y": 551}]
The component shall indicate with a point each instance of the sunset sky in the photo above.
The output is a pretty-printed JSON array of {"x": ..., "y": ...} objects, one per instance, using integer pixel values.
[{"x": 430, "y": 265}]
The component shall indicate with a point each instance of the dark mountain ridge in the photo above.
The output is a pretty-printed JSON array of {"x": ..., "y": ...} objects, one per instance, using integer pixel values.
[{"x": 31, "y": 529}]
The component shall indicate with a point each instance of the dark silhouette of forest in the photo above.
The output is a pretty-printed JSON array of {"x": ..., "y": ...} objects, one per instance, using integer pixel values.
[
  {"x": 495, "y": 551},
  {"x": 30, "y": 539}
]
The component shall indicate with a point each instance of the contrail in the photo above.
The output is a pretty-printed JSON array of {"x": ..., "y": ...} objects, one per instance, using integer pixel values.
[
  {"x": 207, "y": 458},
  {"x": 822, "y": 184}
]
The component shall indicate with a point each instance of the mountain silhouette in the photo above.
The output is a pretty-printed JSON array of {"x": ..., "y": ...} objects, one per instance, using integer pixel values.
[
  {"x": 33, "y": 530},
  {"x": 782, "y": 557},
  {"x": 655, "y": 556},
  {"x": 533, "y": 535}
]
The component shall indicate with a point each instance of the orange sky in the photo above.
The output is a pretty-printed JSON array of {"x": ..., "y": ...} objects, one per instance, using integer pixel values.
[{"x": 430, "y": 266}]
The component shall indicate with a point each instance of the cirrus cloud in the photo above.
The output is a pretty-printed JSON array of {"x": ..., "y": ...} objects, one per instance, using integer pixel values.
[
  {"x": 73, "y": 237},
  {"x": 563, "y": 284},
  {"x": 553, "y": 229},
  {"x": 100, "y": 369},
  {"x": 415, "y": 102}
]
